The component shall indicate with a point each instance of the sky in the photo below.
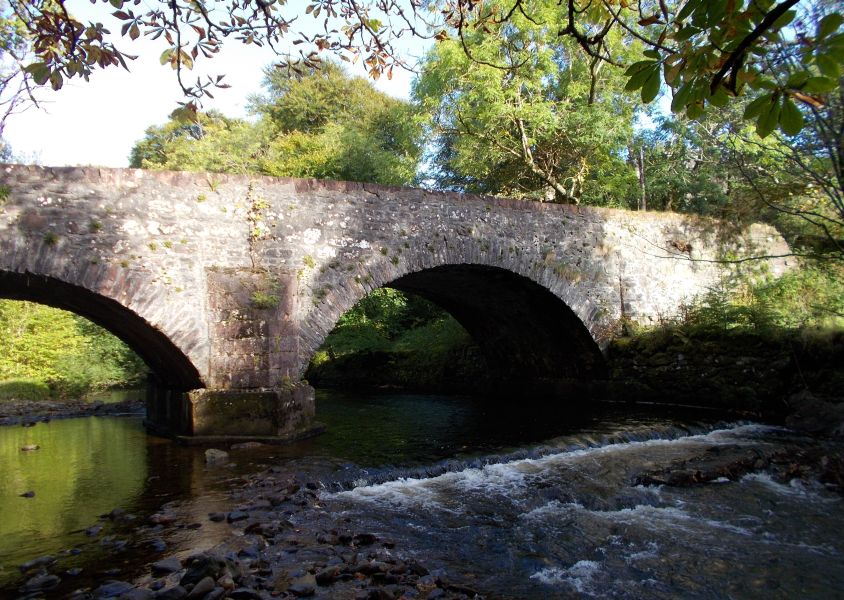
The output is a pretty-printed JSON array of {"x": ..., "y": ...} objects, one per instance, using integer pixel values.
[{"x": 97, "y": 122}]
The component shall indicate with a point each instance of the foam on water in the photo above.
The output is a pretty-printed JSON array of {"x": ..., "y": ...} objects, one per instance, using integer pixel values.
[
  {"x": 579, "y": 576},
  {"x": 509, "y": 477},
  {"x": 794, "y": 488}
]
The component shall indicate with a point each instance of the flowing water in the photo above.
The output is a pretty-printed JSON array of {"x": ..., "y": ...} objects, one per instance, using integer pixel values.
[{"x": 519, "y": 502}]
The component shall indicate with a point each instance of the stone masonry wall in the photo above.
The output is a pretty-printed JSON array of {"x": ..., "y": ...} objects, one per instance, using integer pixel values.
[{"x": 247, "y": 275}]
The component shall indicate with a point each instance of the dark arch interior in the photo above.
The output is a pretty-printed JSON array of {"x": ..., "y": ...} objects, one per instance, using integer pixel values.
[
  {"x": 170, "y": 366},
  {"x": 523, "y": 330}
]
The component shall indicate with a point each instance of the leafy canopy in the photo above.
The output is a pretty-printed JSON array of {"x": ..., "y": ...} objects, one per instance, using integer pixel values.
[
  {"x": 548, "y": 126},
  {"x": 321, "y": 123},
  {"x": 706, "y": 51}
]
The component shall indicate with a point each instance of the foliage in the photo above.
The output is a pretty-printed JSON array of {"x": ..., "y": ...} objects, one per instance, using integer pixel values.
[
  {"x": 391, "y": 312},
  {"x": 808, "y": 298},
  {"x": 263, "y": 300},
  {"x": 24, "y": 389},
  {"x": 62, "y": 350},
  {"x": 717, "y": 165},
  {"x": 527, "y": 115},
  {"x": 212, "y": 143},
  {"x": 706, "y": 50},
  {"x": 323, "y": 124},
  {"x": 390, "y": 338}
]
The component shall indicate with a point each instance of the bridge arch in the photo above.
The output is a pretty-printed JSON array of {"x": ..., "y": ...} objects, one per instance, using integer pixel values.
[
  {"x": 529, "y": 321},
  {"x": 172, "y": 368}
]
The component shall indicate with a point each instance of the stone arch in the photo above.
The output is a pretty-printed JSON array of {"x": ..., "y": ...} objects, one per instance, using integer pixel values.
[
  {"x": 172, "y": 367},
  {"x": 529, "y": 321}
]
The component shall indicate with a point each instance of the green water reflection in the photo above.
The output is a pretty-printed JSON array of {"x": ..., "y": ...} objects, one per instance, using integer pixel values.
[{"x": 84, "y": 468}]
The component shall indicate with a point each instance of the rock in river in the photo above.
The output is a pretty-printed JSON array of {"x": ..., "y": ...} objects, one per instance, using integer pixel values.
[
  {"x": 214, "y": 456},
  {"x": 42, "y": 581},
  {"x": 166, "y": 565}
]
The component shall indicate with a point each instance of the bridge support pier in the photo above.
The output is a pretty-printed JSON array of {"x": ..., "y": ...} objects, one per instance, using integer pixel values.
[{"x": 206, "y": 415}]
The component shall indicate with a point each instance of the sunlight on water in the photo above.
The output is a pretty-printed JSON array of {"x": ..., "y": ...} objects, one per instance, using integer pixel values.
[{"x": 83, "y": 468}]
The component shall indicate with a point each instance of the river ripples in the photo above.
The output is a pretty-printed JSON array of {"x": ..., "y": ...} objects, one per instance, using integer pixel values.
[{"x": 518, "y": 503}]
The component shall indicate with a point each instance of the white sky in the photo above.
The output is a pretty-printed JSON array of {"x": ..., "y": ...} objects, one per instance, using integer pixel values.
[{"x": 97, "y": 122}]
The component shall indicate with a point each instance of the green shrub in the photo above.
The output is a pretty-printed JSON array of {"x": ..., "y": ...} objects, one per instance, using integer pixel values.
[
  {"x": 263, "y": 300},
  {"x": 23, "y": 389}
]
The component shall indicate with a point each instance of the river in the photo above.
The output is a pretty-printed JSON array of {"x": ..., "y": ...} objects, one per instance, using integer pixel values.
[{"x": 518, "y": 501}]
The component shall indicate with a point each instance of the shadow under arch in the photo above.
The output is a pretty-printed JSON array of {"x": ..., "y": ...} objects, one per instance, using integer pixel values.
[
  {"x": 523, "y": 329},
  {"x": 168, "y": 363}
]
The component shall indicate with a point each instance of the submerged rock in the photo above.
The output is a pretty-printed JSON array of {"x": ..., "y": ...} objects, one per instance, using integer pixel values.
[
  {"x": 246, "y": 445},
  {"x": 213, "y": 456},
  {"x": 41, "y": 561},
  {"x": 42, "y": 581}
]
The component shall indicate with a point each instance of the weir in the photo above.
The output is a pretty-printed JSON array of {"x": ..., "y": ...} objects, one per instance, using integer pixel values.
[{"x": 227, "y": 285}]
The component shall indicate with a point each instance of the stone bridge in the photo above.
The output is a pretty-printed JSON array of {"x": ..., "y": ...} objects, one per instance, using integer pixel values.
[{"x": 226, "y": 285}]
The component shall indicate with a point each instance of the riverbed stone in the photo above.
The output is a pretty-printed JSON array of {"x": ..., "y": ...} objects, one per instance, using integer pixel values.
[
  {"x": 112, "y": 589},
  {"x": 138, "y": 594},
  {"x": 215, "y": 456},
  {"x": 177, "y": 592},
  {"x": 204, "y": 586},
  {"x": 303, "y": 586},
  {"x": 328, "y": 575},
  {"x": 40, "y": 582},
  {"x": 244, "y": 593},
  {"x": 200, "y": 566},
  {"x": 237, "y": 515},
  {"x": 41, "y": 561},
  {"x": 166, "y": 565}
]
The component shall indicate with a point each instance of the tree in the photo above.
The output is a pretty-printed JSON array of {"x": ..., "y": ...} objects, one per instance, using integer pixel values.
[
  {"x": 519, "y": 114},
  {"x": 706, "y": 50},
  {"x": 321, "y": 123},
  {"x": 210, "y": 142}
]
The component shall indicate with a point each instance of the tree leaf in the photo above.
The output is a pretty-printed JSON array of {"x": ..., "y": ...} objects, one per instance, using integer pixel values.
[
  {"x": 686, "y": 32},
  {"x": 720, "y": 97},
  {"x": 650, "y": 89},
  {"x": 791, "y": 119},
  {"x": 768, "y": 119},
  {"x": 688, "y": 9},
  {"x": 639, "y": 66},
  {"x": 798, "y": 79},
  {"x": 819, "y": 85},
  {"x": 681, "y": 97},
  {"x": 829, "y": 24},
  {"x": 639, "y": 78},
  {"x": 828, "y": 66},
  {"x": 694, "y": 110},
  {"x": 754, "y": 109}
]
